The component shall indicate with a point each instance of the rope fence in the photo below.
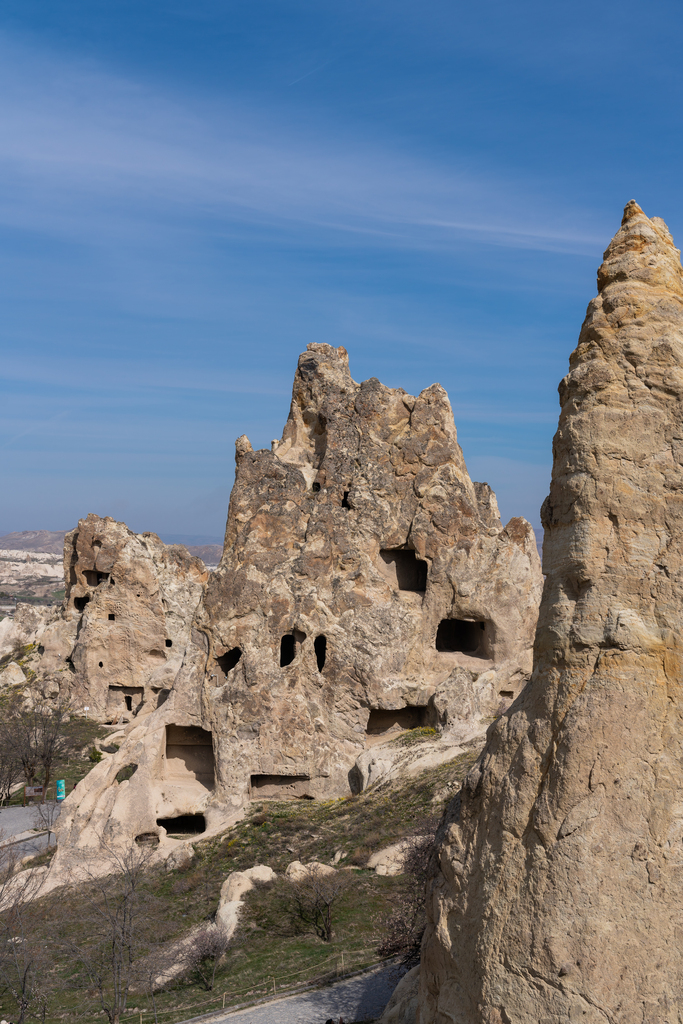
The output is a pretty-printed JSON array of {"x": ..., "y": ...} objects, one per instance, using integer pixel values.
[{"x": 258, "y": 990}]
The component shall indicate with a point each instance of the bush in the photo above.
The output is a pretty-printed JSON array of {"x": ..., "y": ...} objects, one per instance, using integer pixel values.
[
  {"x": 403, "y": 930},
  {"x": 95, "y": 755},
  {"x": 203, "y": 953}
]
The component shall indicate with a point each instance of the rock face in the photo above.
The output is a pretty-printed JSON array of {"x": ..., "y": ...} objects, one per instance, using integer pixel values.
[
  {"x": 134, "y": 598},
  {"x": 559, "y": 893},
  {"x": 118, "y": 640},
  {"x": 367, "y": 587}
]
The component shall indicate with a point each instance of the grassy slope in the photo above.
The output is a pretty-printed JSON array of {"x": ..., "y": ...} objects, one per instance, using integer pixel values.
[{"x": 267, "y": 947}]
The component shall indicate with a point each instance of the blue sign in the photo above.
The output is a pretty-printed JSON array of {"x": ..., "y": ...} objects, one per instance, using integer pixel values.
[{"x": 61, "y": 789}]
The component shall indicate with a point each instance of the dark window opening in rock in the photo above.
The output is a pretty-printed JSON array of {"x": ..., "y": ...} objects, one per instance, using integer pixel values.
[
  {"x": 147, "y": 839},
  {"x": 281, "y": 787},
  {"x": 112, "y": 580},
  {"x": 112, "y": 617},
  {"x": 122, "y": 700},
  {"x": 287, "y": 649},
  {"x": 506, "y": 693},
  {"x": 397, "y": 720},
  {"x": 169, "y": 643},
  {"x": 189, "y": 755},
  {"x": 320, "y": 646},
  {"x": 41, "y": 649},
  {"x": 289, "y": 645},
  {"x": 463, "y": 635},
  {"x": 126, "y": 773},
  {"x": 410, "y": 571},
  {"x": 228, "y": 661},
  {"x": 94, "y": 578},
  {"x": 315, "y": 487},
  {"x": 345, "y": 500},
  {"x": 80, "y": 603},
  {"x": 184, "y": 825},
  {"x": 101, "y": 664}
]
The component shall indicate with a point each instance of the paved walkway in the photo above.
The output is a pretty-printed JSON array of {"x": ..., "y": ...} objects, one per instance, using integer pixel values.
[
  {"x": 360, "y": 998},
  {"x": 14, "y": 821}
]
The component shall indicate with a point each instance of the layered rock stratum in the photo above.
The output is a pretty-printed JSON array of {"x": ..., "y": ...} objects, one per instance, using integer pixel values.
[
  {"x": 559, "y": 894},
  {"x": 367, "y": 587}
]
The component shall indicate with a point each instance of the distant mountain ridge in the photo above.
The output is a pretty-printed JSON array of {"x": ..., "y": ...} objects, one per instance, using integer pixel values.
[{"x": 51, "y": 542}]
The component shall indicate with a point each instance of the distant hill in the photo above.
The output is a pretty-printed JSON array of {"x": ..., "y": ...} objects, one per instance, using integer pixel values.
[
  {"x": 210, "y": 554},
  {"x": 50, "y": 542}
]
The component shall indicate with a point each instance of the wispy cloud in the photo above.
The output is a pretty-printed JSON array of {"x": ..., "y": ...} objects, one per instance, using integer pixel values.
[{"x": 81, "y": 147}]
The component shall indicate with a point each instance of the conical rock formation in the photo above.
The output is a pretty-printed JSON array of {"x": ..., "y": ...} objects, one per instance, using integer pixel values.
[{"x": 559, "y": 890}]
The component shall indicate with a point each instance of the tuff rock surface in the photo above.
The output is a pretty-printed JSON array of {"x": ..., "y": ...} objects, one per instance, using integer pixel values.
[
  {"x": 559, "y": 893},
  {"x": 118, "y": 640},
  {"x": 346, "y": 546},
  {"x": 367, "y": 587}
]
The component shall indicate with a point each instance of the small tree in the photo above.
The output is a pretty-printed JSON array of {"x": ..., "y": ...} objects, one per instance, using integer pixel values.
[
  {"x": 403, "y": 930},
  {"x": 10, "y": 765},
  {"x": 312, "y": 898},
  {"x": 203, "y": 952},
  {"x": 45, "y": 816},
  {"x": 22, "y": 958},
  {"x": 38, "y": 740},
  {"x": 122, "y": 925}
]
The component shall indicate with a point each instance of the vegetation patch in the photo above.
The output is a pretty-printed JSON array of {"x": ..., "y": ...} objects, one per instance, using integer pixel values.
[{"x": 278, "y": 947}]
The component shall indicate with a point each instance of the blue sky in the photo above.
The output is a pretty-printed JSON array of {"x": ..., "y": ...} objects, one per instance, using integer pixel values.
[{"x": 190, "y": 192}]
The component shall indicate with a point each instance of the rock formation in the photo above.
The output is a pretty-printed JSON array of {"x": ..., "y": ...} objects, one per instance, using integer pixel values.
[
  {"x": 367, "y": 586},
  {"x": 559, "y": 893},
  {"x": 118, "y": 640}
]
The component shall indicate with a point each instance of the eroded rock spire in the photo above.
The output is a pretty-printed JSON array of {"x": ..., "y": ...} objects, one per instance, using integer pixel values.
[{"x": 560, "y": 890}]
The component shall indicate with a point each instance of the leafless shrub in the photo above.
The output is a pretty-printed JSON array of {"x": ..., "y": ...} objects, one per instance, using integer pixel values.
[
  {"x": 123, "y": 925},
  {"x": 23, "y": 964},
  {"x": 203, "y": 952},
  {"x": 404, "y": 928},
  {"x": 311, "y": 899}
]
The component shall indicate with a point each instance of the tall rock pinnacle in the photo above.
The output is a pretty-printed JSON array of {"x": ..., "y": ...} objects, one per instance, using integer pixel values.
[{"x": 559, "y": 893}]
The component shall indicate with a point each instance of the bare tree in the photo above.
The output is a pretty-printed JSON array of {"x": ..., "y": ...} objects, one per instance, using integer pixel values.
[
  {"x": 22, "y": 957},
  {"x": 312, "y": 898},
  {"x": 10, "y": 765},
  {"x": 45, "y": 816},
  {"x": 121, "y": 923},
  {"x": 203, "y": 952},
  {"x": 404, "y": 928},
  {"x": 38, "y": 740}
]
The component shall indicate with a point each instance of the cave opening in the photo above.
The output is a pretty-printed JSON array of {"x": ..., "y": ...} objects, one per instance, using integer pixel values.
[
  {"x": 80, "y": 603},
  {"x": 169, "y": 643},
  {"x": 228, "y": 660},
  {"x": 465, "y": 636},
  {"x": 183, "y": 825},
  {"x": 409, "y": 571},
  {"x": 320, "y": 647},
  {"x": 189, "y": 755},
  {"x": 289, "y": 645},
  {"x": 345, "y": 500},
  {"x": 383, "y": 721},
  {"x": 281, "y": 787}
]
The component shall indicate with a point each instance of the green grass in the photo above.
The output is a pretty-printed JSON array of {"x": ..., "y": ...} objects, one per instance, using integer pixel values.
[{"x": 267, "y": 945}]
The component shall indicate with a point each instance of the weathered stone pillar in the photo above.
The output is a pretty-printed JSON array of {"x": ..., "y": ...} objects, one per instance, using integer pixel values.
[{"x": 559, "y": 895}]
